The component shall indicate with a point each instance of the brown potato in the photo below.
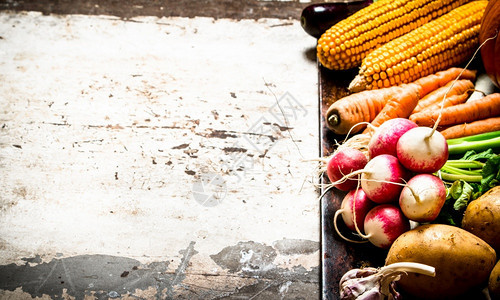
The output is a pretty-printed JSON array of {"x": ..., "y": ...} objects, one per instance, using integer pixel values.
[
  {"x": 482, "y": 217},
  {"x": 494, "y": 282},
  {"x": 462, "y": 261}
]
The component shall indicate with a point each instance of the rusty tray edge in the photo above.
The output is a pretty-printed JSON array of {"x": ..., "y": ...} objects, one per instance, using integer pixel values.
[{"x": 337, "y": 256}]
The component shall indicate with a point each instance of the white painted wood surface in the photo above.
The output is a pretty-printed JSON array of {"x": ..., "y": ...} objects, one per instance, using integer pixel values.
[{"x": 106, "y": 125}]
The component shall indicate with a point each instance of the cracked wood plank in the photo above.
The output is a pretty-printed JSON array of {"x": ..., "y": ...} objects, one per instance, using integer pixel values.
[{"x": 107, "y": 128}]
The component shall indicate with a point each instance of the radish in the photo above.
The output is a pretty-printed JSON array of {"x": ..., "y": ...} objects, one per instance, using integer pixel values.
[
  {"x": 384, "y": 223},
  {"x": 385, "y": 138},
  {"x": 423, "y": 197},
  {"x": 345, "y": 161},
  {"x": 355, "y": 205},
  {"x": 422, "y": 150},
  {"x": 383, "y": 178}
]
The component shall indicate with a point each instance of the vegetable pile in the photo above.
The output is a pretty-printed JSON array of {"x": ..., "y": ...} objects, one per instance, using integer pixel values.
[
  {"x": 420, "y": 161},
  {"x": 396, "y": 184}
]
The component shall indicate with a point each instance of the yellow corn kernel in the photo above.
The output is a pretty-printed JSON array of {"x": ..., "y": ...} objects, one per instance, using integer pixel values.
[
  {"x": 453, "y": 39},
  {"x": 375, "y": 25}
]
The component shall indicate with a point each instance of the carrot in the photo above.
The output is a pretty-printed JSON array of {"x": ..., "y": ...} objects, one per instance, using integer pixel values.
[
  {"x": 449, "y": 101},
  {"x": 403, "y": 107},
  {"x": 354, "y": 109},
  {"x": 434, "y": 81},
  {"x": 397, "y": 107},
  {"x": 473, "y": 128},
  {"x": 377, "y": 106},
  {"x": 486, "y": 107},
  {"x": 451, "y": 88}
]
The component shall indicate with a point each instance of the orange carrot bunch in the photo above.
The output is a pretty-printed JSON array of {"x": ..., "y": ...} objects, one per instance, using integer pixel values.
[
  {"x": 446, "y": 94},
  {"x": 351, "y": 113}
]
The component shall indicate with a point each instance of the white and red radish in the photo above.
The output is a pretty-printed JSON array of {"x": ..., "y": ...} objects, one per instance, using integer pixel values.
[
  {"x": 384, "y": 224},
  {"x": 422, "y": 150},
  {"x": 422, "y": 198},
  {"x": 355, "y": 205},
  {"x": 385, "y": 138},
  {"x": 343, "y": 162},
  {"x": 383, "y": 178}
]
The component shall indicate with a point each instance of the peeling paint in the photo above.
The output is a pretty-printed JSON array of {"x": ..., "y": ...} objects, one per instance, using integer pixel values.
[
  {"x": 93, "y": 191},
  {"x": 79, "y": 275},
  {"x": 221, "y": 134},
  {"x": 246, "y": 256},
  {"x": 247, "y": 270},
  {"x": 296, "y": 246}
]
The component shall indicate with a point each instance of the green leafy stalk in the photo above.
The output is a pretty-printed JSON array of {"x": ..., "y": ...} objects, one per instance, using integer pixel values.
[
  {"x": 460, "y": 171},
  {"x": 457, "y": 163},
  {"x": 468, "y": 178},
  {"x": 478, "y": 142},
  {"x": 477, "y": 137},
  {"x": 453, "y": 177}
]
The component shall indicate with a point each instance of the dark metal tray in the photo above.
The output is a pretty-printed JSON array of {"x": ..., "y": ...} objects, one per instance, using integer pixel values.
[{"x": 338, "y": 256}]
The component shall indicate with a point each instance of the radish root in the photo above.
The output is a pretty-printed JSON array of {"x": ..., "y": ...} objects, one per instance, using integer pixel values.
[
  {"x": 359, "y": 141},
  {"x": 335, "y": 217},
  {"x": 347, "y": 177},
  {"x": 340, "y": 211}
]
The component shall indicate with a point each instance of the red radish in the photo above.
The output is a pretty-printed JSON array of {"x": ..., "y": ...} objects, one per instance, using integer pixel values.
[
  {"x": 384, "y": 223},
  {"x": 422, "y": 150},
  {"x": 355, "y": 205},
  {"x": 423, "y": 197},
  {"x": 345, "y": 161},
  {"x": 383, "y": 178},
  {"x": 386, "y": 137}
]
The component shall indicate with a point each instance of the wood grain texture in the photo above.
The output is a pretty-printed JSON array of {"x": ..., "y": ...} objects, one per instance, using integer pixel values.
[
  {"x": 237, "y": 10},
  {"x": 107, "y": 125}
]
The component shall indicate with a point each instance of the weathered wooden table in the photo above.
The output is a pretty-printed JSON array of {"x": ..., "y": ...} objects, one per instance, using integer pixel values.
[{"x": 158, "y": 150}]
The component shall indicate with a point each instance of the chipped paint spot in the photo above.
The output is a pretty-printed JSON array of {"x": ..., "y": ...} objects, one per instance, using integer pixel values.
[
  {"x": 246, "y": 256},
  {"x": 296, "y": 246},
  {"x": 284, "y": 287},
  {"x": 104, "y": 276},
  {"x": 220, "y": 134},
  {"x": 234, "y": 149},
  {"x": 181, "y": 146},
  {"x": 79, "y": 275}
]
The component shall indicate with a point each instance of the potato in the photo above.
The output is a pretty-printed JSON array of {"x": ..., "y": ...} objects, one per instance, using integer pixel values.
[
  {"x": 482, "y": 217},
  {"x": 494, "y": 282},
  {"x": 462, "y": 261}
]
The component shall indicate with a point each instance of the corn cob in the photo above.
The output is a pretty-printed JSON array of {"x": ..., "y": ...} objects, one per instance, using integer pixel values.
[
  {"x": 440, "y": 44},
  {"x": 346, "y": 43}
]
